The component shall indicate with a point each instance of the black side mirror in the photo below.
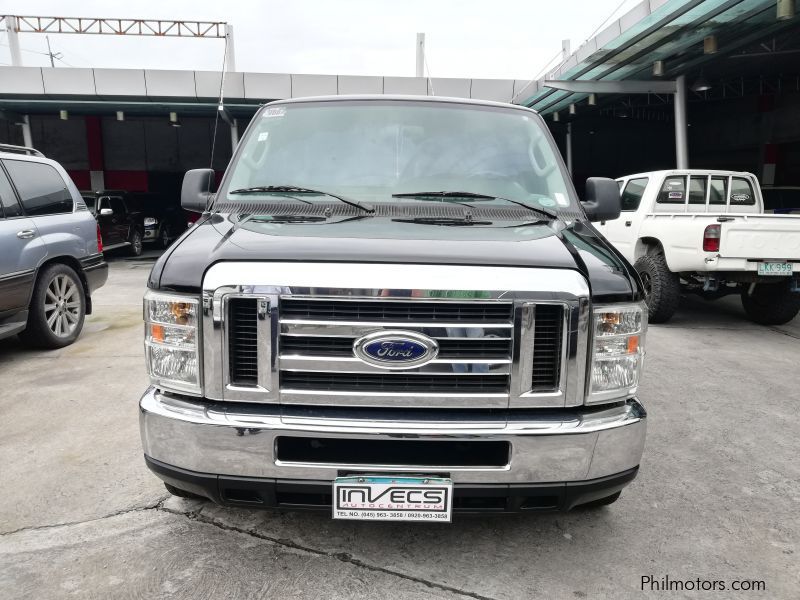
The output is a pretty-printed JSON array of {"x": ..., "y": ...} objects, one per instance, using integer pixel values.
[
  {"x": 602, "y": 199},
  {"x": 196, "y": 189}
]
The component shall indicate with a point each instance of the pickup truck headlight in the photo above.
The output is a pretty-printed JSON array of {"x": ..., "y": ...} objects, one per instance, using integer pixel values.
[
  {"x": 170, "y": 339},
  {"x": 150, "y": 221},
  {"x": 617, "y": 352}
]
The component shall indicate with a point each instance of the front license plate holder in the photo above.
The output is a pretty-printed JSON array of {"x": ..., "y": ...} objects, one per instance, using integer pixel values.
[
  {"x": 775, "y": 269},
  {"x": 387, "y": 498}
]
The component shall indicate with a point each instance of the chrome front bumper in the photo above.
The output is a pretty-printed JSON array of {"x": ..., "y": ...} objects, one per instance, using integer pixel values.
[{"x": 240, "y": 440}]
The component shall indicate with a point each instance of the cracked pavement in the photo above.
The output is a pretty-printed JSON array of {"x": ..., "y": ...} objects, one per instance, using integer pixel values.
[{"x": 717, "y": 497}]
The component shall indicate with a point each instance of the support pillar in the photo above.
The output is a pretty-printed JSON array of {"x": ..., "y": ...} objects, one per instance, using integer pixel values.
[
  {"x": 230, "y": 56},
  {"x": 681, "y": 126},
  {"x": 569, "y": 148},
  {"x": 13, "y": 41},
  {"x": 27, "y": 138},
  {"x": 234, "y": 134},
  {"x": 420, "y": 55},
  {"x": 94, "y": 146}
]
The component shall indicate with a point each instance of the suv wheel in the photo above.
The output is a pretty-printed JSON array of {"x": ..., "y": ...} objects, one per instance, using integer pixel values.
[
  {"x": 57, "y": 309},
  {"x": 136, "y": 243},
  {"x": 662, "y": 287},
  {"x": 164, "y": 238},
  {"x": 771, "y": 303}
]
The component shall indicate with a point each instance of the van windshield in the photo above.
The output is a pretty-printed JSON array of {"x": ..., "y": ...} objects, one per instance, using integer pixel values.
[{"x": 370, "y": 150}]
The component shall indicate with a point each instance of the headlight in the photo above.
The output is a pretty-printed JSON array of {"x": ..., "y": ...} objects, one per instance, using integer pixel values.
[
  {"x": 170, "y": 339},
  {"x": 150, "y": 221},
  {"x": 618, "y": 351}
]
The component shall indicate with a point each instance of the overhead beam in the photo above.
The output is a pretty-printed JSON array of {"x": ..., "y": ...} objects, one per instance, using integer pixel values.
[
  {"x": 99, "y": 26},
  {"x": 612, "y": 87}
]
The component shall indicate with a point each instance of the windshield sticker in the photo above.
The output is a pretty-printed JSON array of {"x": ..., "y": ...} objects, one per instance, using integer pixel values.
[
  {"x": 546, "y": 202},
  {"x": 561, "y": 199},
  {"x": 740, "y": 197},
  {"x": 676, "y": 195},
  {"x": 274, "y": 111},
  {"x": 262, "y": 137}
]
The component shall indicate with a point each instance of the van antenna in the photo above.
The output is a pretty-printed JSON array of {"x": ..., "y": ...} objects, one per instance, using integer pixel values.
[{"x": 220, "y": 103}]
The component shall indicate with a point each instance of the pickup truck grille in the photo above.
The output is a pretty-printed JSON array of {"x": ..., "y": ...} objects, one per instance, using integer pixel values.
[{"x": 315, "y": 362}]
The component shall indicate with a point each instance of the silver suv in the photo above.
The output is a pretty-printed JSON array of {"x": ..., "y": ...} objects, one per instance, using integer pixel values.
[{"x": 51, "y": 252}]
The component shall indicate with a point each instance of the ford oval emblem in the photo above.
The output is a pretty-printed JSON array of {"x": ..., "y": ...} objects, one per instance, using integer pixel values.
[{"x": 396, "y": 349}]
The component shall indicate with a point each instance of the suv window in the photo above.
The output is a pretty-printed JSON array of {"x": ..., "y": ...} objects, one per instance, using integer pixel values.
[
  {"x": 40, "y": 187},
  {"x": 8, "y": 199},
  {"x": 673, "y": 191},
  {"x": 742, "y": 192},
  {"x": 632, "y": 195},
  {"x": 697, "y": 189}
]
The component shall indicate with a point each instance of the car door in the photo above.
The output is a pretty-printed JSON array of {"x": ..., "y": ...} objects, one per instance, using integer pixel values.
[
  {"x": 108, "y": 222},
  {"x": 122, "y": 220},
  {"x": 621, "y": 231},
  {"x": 21, "y": 250}
]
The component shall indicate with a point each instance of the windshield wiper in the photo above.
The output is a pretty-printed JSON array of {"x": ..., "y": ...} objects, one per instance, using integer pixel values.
[
  {"x": 444, "y": 221},
  {"x": 291, "y": 189},
  {"x": 477, "y": 196}
]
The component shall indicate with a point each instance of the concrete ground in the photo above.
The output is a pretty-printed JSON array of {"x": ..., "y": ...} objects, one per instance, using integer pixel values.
[{"x": 717, "y": 498}]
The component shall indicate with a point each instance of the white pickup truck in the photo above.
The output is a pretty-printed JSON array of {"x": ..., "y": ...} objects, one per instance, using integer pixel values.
[{"x": 706, "y": 232}]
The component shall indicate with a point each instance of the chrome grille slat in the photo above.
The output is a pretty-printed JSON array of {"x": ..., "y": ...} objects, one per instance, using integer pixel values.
[{"x": 394, "y": 310}]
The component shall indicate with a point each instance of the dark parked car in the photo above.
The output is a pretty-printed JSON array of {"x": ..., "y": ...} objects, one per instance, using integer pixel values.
[
  {"x": 163, "y": 220},
  {"x": 51, "y": 258},
  {"x": 121, "y": 224}
]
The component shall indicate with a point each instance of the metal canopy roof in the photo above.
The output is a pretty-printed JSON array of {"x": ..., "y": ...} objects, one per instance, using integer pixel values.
[{"x": 669, "y": 30}]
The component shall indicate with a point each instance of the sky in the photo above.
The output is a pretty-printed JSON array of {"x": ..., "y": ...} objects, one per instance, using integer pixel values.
[{"x": 464, "y": 38}]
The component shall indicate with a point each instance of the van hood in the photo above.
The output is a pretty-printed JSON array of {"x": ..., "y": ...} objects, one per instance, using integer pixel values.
[{"x": 552, "y": 245}]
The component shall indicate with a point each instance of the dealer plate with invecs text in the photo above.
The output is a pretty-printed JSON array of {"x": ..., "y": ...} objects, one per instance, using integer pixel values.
[{"x": 382, "y": 498}]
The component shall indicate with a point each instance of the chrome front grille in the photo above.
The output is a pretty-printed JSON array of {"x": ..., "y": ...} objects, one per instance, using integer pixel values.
[
  {"x": 286, "y": 342},
  {"x": 316, "y": 350}
]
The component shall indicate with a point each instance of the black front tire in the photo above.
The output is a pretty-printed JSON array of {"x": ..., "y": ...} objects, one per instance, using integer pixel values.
[
  {"x": 57, "y": 309},
  {"x": 771, "y": 303},
  {"x": 163, "y": 238},
  {"x": 135, "y": 240},
  {"x": 182, "y": 493},
  {"x": 662, "y": 287}
]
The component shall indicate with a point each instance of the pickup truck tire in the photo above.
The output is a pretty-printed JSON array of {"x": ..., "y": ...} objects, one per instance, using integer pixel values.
[
  {"x": 163, "y": 238},
  {"x": 662, "y": 287},
  {"x": 771, "y": 303},
  {"x": 135, "y": 240},
  {"x": 57, "y": 309},
  {"x": 182, "y": 493}
]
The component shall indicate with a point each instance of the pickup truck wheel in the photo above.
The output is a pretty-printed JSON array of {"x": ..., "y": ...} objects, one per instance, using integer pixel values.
[
  {"x": 662, "y": 287},
  {"x": 163, "y": 238},
  {"x": 136, "y": 243},
  {"x": 771, "y": 303},
  {"x": 182, "y": 493},
  {"x": 57, "y": 309}
]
